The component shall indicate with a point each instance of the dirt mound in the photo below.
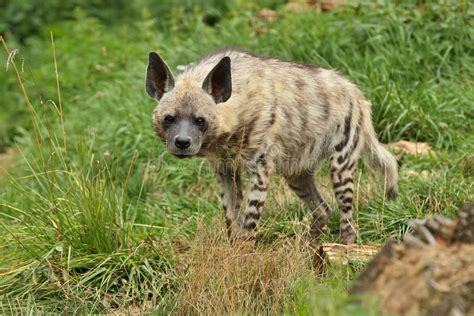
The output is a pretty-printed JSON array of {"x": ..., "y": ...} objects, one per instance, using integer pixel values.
[{"x": 430, "y": 273}]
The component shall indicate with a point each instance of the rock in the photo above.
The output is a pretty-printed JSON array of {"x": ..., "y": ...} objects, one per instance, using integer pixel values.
[
  {"x": 313, "y": 5},
  {"x": 412, "y": 148},
  {"x": 425, "y": 174},
  {"x": 431, "y": 272},
  {"x": 342, "y": 254},
  {"x": 267, "y": 15}
]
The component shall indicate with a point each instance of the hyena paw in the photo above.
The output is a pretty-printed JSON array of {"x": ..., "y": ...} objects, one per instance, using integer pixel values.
[
  {"x": 242, "y": 235},
  {"x": 245, "y": 235},
  {"x": 317, "y": 228},
  {"x": 348, "y": 233},
  {"x": 316, "y": 231},
  {"x": 392, "y": 193},
  {"x": 244, "y": 241}
]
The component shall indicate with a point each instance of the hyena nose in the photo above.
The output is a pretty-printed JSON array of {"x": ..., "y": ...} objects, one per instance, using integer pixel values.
[{"x": 182, "y": 142}]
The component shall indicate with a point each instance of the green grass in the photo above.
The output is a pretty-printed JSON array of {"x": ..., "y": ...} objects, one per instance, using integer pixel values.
[{"x": 102, "y": 221}]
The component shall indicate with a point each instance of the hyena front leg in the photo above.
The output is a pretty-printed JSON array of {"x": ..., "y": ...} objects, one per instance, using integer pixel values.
[
  {"x": 305, "y": 188},
  {"x": 231, "y": 193},
  {"x": 259, "y": 173}
]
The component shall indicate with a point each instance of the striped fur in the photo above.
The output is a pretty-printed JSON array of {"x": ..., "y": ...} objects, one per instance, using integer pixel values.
[{"x": 281, "y": 117}]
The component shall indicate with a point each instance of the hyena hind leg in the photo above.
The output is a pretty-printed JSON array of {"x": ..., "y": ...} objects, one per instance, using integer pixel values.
[
  {"x": 341, "y": 175},
  {"x": 305, "y": 188}
]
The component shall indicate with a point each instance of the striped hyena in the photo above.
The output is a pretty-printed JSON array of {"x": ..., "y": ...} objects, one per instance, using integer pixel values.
[{"x": 261, "y": 114}]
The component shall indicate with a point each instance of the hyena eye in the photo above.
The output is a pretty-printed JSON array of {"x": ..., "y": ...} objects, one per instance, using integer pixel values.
[
  {"x": 200, "y": 121},
  {"x": 169, "y": 119}
]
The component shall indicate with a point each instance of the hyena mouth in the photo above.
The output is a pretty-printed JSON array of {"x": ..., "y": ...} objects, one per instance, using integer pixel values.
[
  {"x": 182, "y": 156},
  {"x": 183, "y": 153}
]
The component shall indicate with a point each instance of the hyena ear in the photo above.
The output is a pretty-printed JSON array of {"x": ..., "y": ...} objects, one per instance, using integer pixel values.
[
  {"x": 159, "y": 78},
  {"x": 218, "y": 82}
]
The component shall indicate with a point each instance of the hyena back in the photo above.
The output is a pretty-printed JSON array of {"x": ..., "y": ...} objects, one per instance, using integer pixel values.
[{"x": 265, "y": 115}]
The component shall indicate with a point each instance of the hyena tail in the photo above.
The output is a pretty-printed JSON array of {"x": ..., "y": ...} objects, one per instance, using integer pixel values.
[{"x": 379, "y": 158}]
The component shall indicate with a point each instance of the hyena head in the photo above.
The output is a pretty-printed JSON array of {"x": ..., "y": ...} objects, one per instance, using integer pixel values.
[{"x": 186, "y": 117}]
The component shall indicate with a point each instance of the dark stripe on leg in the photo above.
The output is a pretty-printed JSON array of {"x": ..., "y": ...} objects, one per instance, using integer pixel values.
[
  {"x": 256, "y": 187},
  {"x": 346, "y": 209},
  {"x": 345, "y": 191},
  {"x": 347, "y": 200},
  {"x": 342, "y": 183},
  {"x": 252, "y": 215},
  {"x": 347, "y": 129},
  {"x": 256, "y": 203},
  {"x": 348, "y": 166}
]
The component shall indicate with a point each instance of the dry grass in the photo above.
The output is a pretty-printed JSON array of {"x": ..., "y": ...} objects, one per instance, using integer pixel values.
[{"x": 219, "y": 278}]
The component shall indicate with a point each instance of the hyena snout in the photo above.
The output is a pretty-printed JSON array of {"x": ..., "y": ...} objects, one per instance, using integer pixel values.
[{"x": 184, "y": 139}]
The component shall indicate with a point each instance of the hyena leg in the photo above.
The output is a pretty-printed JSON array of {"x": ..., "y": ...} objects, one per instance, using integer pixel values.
[
  {"x": 231, "y": 194},
  {"x": 343, "y": 163},
  {"x": 341, "y": 175},
  {"x": 259, "y": 173},
  {"x": 305, "y": 188}
]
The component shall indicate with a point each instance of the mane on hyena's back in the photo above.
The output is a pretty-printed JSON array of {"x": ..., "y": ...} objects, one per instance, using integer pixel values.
[{"x": 238, "y": 55}]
